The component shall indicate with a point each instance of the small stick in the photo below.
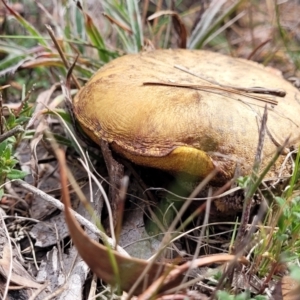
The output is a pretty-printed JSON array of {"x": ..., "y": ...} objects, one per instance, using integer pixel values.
[
  {"x": 84, "y": 222},
  {"x": 242, "y": 233},
  {"x": 15, "y": 130}
]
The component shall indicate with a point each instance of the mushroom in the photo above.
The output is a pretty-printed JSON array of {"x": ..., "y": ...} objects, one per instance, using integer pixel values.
[{"x": 188, "y": 111}]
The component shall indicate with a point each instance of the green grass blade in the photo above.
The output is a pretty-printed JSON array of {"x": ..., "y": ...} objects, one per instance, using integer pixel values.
[
  {"x": 95, "y": 36},
  {"x": 135, "y": 23},
  {"x": 295, "y": 176},
  {"x": 27, "y": 25},
  {"x": 10, "y": 64},
  {"x": 207, "y": 25}
]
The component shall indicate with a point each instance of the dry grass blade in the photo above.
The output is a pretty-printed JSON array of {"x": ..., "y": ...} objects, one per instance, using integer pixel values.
[
  {"x": 247, "y": 202},
  {"x": 227, "y": 192},
  {"x": 233, "y": 90},
  {"x": 258, "y": 90},
  {"x": 9, "y": 270},
  {"x": 200, "y": 262},
  {"x": 119, "y": 24},
  {"x": 61, "y": 53},
  {"x": 178, "y": 24},
  {"x": 25, "y": 24},
  {"x": 12, "y": 270},
  {"x": 7, "y": 260},
  {"x": 107, "y": 264},
  {"x": 4, "y": 87}
]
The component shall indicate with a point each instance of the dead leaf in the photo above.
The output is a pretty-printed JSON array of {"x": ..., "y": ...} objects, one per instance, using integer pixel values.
[
  {"x": 66, "y": 274},
  {"x": 19, "y": 275},
  {"x": 134, "y": 238},
  {"x": 199, "y": 262},
  {"x": 114, "y": 268},
  {"x": 45, "y": 232},
  {"x": 287, "y": 289}
]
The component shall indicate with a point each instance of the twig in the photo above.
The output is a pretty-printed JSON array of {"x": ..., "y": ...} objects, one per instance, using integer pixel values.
[
  {"x": 58, "y": 291},
  {"x": 93, "y": 288},
  {"x": 121, "y": 206},
  {"x": 15, "y": 130},
  {"x": 248, "y": 197},
  {"x": 115, "y": 173},
  {"x": 84, "y": 222},
  {"x": 38, "y": 291}
]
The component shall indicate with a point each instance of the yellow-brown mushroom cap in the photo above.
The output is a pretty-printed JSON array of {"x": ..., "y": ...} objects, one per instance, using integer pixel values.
[{"x": 181, "y": 129}]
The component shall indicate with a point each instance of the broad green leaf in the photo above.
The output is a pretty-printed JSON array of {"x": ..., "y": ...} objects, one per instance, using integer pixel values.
[
  {"x": 7, "y": 152},
  {"x": 11, "y": 162},
  {"x": 16, "y": 174},
  {"x": 3, "y": 146}
]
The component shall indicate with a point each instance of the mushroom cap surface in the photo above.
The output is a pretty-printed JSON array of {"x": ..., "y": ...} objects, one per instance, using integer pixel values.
[{"x": 185, "y": 128}]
